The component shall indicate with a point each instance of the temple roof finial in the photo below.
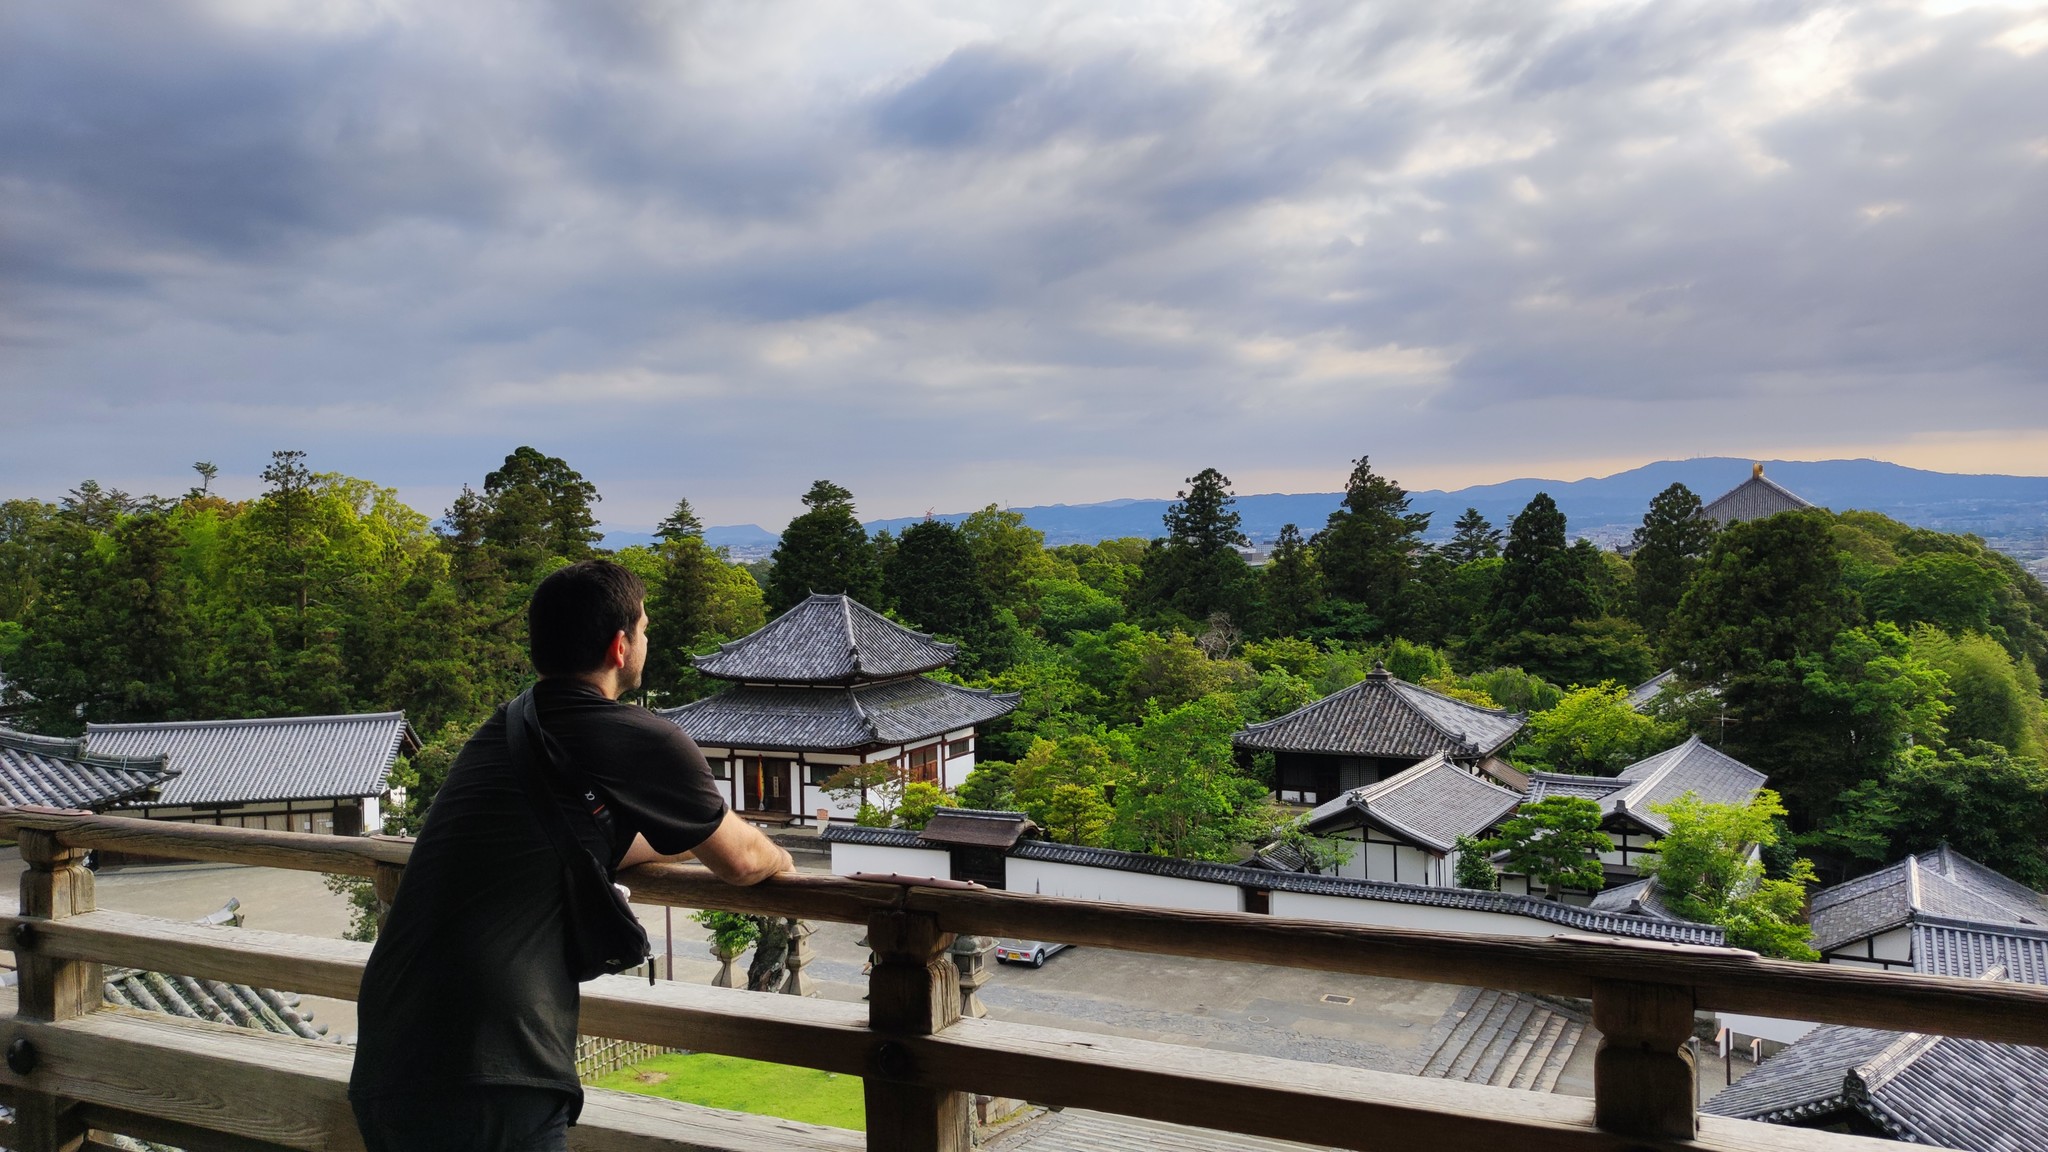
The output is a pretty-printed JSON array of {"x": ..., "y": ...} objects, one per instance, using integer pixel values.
[{"x": 1756, "y": 470}]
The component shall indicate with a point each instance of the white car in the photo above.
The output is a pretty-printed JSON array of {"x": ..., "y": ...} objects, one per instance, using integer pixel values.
[{"x": 1032, "y": 952}]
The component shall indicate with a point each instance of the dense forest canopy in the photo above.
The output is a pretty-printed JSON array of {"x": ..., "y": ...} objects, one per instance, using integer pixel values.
[{"x": 1888, "y": 679}]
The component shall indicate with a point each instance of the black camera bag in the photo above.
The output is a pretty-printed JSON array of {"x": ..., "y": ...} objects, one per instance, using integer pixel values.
[{"x": 604, "y": 936}]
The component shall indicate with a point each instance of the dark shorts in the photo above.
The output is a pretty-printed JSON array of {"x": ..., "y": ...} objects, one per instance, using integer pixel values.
[{"x": 470, "y": 1120}]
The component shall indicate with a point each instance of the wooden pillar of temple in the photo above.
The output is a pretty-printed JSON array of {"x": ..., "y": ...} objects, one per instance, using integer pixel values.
[
  {"x": 56, "y": 885},
  {"x": 914, "y": 990}
]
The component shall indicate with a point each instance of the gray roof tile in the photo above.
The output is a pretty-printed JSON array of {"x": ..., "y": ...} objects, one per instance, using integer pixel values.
[
  {"x": 283, "y": 758},
  {"x": 1753, "y": 499},
  {"x": 62, "y": 774},
  {"x": 1940, "y": 883},
  {"x": 1430, "y": 804},
  {"x": 1694, "y": 766},
  {"x": 1966, "y": 1094},
  {"x": 1383, "y": 716},
  {"x": 1644, "y": 897},
  {"x": 1642, "y": 694},
  {"x": 798, "y": 718},
  {"x": 1956, "y": 948},
  {"x": 827, "y": 640},
  {"x": 1565, "y": 915}
]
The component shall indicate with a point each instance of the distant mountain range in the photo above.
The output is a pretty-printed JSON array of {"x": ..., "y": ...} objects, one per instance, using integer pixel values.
[{"x": 2009, "y": 511}]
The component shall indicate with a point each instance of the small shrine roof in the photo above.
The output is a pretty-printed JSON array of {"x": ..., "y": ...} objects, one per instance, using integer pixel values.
[
  {"x": 827, "y": 639},
  {"x": 1382, "y": 716}
]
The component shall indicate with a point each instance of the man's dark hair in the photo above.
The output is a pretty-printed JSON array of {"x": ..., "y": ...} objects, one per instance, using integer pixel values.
[{"x": 575, "y": 613}]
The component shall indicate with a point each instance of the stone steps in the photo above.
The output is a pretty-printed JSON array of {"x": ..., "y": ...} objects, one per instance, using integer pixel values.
[{"x": 1506, "y": 1039}]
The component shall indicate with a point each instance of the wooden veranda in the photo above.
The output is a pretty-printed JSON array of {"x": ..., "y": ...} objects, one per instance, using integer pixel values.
[{"x": 76, "y": 1068}]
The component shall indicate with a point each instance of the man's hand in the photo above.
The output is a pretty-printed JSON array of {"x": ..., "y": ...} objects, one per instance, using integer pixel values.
[{"x": 737, "y": 853}]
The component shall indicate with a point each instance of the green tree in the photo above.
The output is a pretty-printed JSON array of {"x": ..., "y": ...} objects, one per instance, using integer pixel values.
[
  {"x": 1474, "y": 870},
  {"x": 1008, "y": 553},
  {"x": 1196, "y": 571},
  {"x": 537, "y": 515},
  {"x": 1366, "y": 546},
  {"x": 921, "y": 801},
  {"x": 932, "y": 580},
  {"x": 1708, "y": 873},
  {"x": 1544, "y": 586},
  {"x": 1064, "y": 786},
  {"x": 1770, "y": 590},
  {"x": 824, "y": 550},
  {"x": 1993, "y": 698},
  {"x": 1185, "y": 796},
  {"x": 1473, "y": 537},
  {"x": 1555, "y": 842},
  {"x": 1594, "y": 732},
  {"x": 1989, "y": 805},
  {"x": 27, "y": 557},
  {"x": 1669, "y": 548},
  {"x": 1950, "y": 591},
  {"x": 1290, "y": 585}
]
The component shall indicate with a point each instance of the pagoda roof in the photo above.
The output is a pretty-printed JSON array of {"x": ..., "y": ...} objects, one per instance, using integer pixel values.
[
  {"x": 1941, "y": 883},
  {"x": 827, "y": 639},
  {"x": 822, "y": 719},
  {"x": 1387, "y": 717},
  {"x": 1753, "y": 499}
]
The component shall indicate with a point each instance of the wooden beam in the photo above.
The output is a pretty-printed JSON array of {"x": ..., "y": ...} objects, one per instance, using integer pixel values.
[
  {"x": 302, "y": 851},
  {"x": 259, "y": 1090},
  {"x": 55, "y": 886},
  {"x": 1644, "y": 1082}
]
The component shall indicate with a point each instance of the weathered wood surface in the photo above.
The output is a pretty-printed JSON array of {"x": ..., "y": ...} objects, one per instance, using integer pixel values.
[
  {"x": 1644, "y": 1081},
  {"x": 1724, "y": 979},
  {"x": 913, "y": 992},
  {"x": 56, "y": 886},
  {"x": 301, "y": 851},
  {"x": 278, "y": 1091}
]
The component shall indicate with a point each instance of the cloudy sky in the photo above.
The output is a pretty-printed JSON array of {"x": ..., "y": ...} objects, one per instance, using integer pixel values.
[{"x": 949, "y": 254}]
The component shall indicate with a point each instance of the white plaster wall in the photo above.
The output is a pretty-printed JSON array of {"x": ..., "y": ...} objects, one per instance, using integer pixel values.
[
  {"x": 1078, "y": 882},
  {"x": 1895, "y": 945},
  {"x": 1387, "y": 914},
  {"x": 373, "y": 816},
  {"x": 848, "y": 859}
]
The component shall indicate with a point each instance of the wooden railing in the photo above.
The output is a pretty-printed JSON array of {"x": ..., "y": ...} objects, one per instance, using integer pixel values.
[{"x": 74, "y": 1066}]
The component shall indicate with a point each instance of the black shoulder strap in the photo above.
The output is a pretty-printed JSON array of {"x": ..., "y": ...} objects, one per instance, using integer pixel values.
[{"x": 525, "y": 736}]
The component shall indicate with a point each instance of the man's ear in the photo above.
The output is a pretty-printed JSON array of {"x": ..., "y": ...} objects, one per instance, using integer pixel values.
[{"x": 615, "y": 656}]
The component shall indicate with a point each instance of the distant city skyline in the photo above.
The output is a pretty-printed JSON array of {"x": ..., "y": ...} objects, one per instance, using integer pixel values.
[{"x": 1015, "y": 253}]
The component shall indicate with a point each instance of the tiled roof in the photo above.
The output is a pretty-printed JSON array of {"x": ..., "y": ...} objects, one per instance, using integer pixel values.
[
  {"x": 1640, "y": 696},
  {"x": 1941, "y": 883},
  {"x": 1430, "y": 804},
  {"x": 244, "y": 761},
  {"x": 1958, "y": 948},
  {"x": 827, "y": 640},
  {"x": 797, "y": 718},
  {"x": 1966, "y": 1094},
  {"x": 62, "y": 774},
  {"x": 1383, "y": 716},
  {"x": 1693, "y": 766},
  {"x": 1753, "y": 499},
  {"x": 974, "y": 828},
  {"x": 1278, "y": 856},
  {"x": 1644, "y": 897},
  {"x": 1565, "y": 915},
  {"x": 237, "y": 1004}
]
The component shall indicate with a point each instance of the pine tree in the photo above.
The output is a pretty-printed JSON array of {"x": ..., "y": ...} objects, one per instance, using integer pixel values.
[
  {"x": 824, "y": 550},
  {"x": 1668, "y": 549},
  {"x": 1366, "y": 549},
  {"x": 537, "y": 514},
  {"x": 1543, "y": 585},
  {"x": 931, "y": 579},
  {"x": 1195, "y": 572},
  {"x": 1473, "y": 538},
  {"x": 1290, "y": 587}
]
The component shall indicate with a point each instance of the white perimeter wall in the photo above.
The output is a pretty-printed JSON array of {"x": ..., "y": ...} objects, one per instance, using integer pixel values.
[
  {"x": 1388, "y": 914},
  {"x": 848, "y": 859},
  {"x": 1895, "y": 945},
  {"x": 1079, "y": 882}
]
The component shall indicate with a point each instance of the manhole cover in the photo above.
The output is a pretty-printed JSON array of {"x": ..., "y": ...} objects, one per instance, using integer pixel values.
[
  {"x": 1333, "y": 998},
  {"x": 1259, "y": 1019}
]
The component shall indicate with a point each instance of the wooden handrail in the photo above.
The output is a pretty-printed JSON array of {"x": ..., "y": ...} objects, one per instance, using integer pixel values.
[
  {"x": 917, "y": 1056},
  {"x": 1568, "y": 965}
]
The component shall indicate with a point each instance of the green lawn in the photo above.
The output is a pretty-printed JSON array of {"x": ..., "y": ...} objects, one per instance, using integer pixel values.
[{"x": 748, "y": 1086}]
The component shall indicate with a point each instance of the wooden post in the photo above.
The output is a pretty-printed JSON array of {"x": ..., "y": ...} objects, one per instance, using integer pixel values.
[
  {"x": 1644, "y": 1082},
  {"x": 56, "y": 885},
  {"x": 385, "y": 884},
  {"x": 914, "y": 990}
]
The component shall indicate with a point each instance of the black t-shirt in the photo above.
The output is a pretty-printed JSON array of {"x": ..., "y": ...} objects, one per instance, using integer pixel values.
[{"x": 469, "y": 983}]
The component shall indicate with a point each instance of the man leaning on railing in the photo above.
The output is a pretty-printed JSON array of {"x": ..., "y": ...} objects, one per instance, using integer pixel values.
[{"x": 467, "y": 1017}]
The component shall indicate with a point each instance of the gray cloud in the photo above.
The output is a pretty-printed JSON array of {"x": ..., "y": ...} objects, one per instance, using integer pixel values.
[{"x": 1011, "y": 253}]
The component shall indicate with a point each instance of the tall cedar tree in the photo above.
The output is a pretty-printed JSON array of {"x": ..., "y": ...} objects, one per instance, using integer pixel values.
[
  {"x": 537, "y": 513},
  {"x": 1473, "y": 537},
  {"x": 931, "y": 579},
  {"x": 680, "y": 597},
  {"x": 1669, "y": 548},
  {"x": 1543, "y": 585},
  {"x": 1290, "y": 587},
  {"x": 824, "y": 550},
  {"x": 1195, "y": 571},
  {"x": 1770, "y": 590},
  {"x": 1366, "y": 547}
]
